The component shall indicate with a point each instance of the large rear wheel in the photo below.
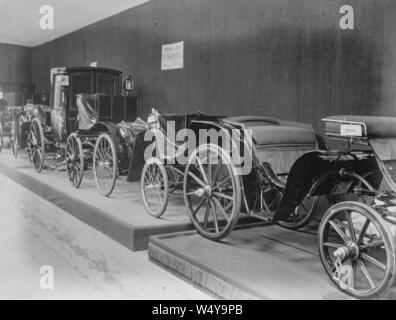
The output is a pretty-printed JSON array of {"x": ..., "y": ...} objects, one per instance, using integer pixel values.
[
  {"x": 155, "y": 187},
  {"x": 36, "y": 145},
  {"x": 212, "y": 192},
  {"x": 356, "y": 250},
  {"x": 105, "y": 164},
  {"x": 74, "y": 160}
]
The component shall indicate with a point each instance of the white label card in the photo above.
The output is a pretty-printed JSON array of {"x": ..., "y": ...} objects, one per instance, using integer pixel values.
[
  {"x": 351, "y": 130},
  {"x": 173, "y": 56}
]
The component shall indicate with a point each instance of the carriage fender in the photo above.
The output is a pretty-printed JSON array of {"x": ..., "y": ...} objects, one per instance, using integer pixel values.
[{"x": 315, "y": 173}]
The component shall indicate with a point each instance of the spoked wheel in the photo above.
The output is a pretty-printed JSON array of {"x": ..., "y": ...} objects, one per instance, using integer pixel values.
[
  {"x": 212, "y": 191},
  {"x": 356, "y": 250},
  {"x": 105, "y": 164},
  {"x": 175, "y": 178},
  {"x": 74, "y": 160},
  {"x": 302, "y": 214},
  {"x": 1, "y": 137},
  {"x": 14, "y": 140},
  {"x": 36, "y": 145},
  {"x": 155, "y": 187}
]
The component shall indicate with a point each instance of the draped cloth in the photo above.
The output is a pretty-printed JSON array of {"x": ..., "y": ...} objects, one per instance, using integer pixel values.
[{"x": 87, "y": 115}]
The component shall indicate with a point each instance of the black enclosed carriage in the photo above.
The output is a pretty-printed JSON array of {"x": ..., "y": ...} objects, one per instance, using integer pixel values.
[
  {"x": 356, "y": 234},
  {"x": 83, "y": 125}
]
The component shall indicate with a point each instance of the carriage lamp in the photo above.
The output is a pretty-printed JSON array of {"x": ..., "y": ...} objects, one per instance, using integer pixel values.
[{"x": 129, "y": 84}]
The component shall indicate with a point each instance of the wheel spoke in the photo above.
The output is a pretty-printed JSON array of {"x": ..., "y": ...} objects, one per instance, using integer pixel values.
[
  {"x": 206, "y": 214},
  {"x": 339, "y": 231},
  {"x": 364, "y": 230},
  {"x": 216, "y": 224},
  {"x": 366, "y": 273},
  {"x": 216, "y": 174},
  {"x": 198, "y": 180},
  {"x": 199, "y": 206},
  {"x": 371, "y": 244},
  {"x": 221, "y": 209},
  {"x": 332, "y": 245},
  {"x": 222, "y": 195},
  {"x": 351, "y": 227},
  {"x": 222, "y": 183},
  {"x": 373, "y": 261},
  {"x": 201, "y": 168}
]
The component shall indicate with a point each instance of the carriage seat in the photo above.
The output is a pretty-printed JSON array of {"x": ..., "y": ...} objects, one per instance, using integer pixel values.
[
  {"x": 282, "y": 135},
  {"x": 281, "y": 146},
  {"x": 377, "y": 127},
  {"x": 257, "y": 121}
]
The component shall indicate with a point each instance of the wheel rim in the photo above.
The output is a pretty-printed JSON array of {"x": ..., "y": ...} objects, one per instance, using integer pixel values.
[
  {"x": 74, "y": 160},
  {"x": 354, "y": 238},
  {"x": 210, "y": 177},
  {"x": 36, "y": 145},
  {"x": 105, "y": 165},
  {"x": 155, "y": 187}
]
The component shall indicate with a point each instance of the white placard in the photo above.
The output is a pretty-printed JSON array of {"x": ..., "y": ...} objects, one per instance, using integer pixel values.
[
  {"x": 351, "y": 130},
  {"x": 173, "y": 56},
  {"x": 94, "y": 64}
]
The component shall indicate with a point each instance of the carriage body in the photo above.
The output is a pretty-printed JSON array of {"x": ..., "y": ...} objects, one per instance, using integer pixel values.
[
  {"x": 87, "y": 112},
  {"x": 292, "y": 168}
]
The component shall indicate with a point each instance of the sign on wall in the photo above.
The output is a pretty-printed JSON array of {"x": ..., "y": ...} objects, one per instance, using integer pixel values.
[{"x": 173, "y": 56}]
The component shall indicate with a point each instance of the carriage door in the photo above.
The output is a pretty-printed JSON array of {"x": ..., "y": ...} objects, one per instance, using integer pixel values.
[{"x": 58, "y": 115}]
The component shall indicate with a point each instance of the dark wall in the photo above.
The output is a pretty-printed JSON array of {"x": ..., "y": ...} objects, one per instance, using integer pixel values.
[
  {"x": 283, "y": 58},
  {"x": 15, "y": 67}
]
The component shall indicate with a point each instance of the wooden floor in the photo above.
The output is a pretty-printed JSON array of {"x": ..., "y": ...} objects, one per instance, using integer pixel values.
[{"x": 86, "y": 263}]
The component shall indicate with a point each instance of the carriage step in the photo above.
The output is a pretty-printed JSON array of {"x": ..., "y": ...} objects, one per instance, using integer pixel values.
[{"x": 262, "y": 215}]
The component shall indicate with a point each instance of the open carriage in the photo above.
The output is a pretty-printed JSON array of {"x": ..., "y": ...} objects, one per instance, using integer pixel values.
[
  {"x": 289, "y": 165},
  {"x": 165, "y": 148},
  {"x": 83, "y": 125}
]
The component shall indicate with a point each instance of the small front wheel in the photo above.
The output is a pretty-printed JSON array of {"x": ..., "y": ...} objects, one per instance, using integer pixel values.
[
  {"x": 74, "y": 160},
  {"x": 356, "y": 250},
  {"x": 105, "y": 164},
  {"x": 155, "y": 187}
]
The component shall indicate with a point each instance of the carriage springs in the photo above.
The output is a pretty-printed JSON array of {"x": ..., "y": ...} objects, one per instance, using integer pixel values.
[{"x": 177, "y": 147}]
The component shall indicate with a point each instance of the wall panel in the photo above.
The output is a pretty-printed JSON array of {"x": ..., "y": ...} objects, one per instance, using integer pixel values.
[{"x": 285, "y": 58}]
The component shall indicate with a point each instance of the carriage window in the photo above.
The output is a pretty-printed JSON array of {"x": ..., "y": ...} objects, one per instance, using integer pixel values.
[
  {"x": 80, "y": 83},
  {"x": 107, "y": 84}
]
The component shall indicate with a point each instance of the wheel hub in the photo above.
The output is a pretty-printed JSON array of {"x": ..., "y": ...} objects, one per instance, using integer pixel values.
[
  {"x": 349, "y": 250},
  {"x": 204, "y": 192}
]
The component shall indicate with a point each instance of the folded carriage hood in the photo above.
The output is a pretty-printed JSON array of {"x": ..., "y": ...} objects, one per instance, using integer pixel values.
[{"x": 323, "y": 168}]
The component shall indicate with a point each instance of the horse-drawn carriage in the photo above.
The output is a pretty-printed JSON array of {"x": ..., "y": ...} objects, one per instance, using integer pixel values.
[
  {"x": 279, "y": 176},
  {"x": 83, "y": 125}
]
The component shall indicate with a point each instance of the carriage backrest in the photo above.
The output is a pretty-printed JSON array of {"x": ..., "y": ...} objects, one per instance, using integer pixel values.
[{"x": 281, "y": 146}]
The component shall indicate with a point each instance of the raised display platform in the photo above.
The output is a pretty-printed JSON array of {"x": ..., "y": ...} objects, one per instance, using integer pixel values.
[
  {"x": 122, "y": 216},
  {"x": 266, "y": 262}
]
